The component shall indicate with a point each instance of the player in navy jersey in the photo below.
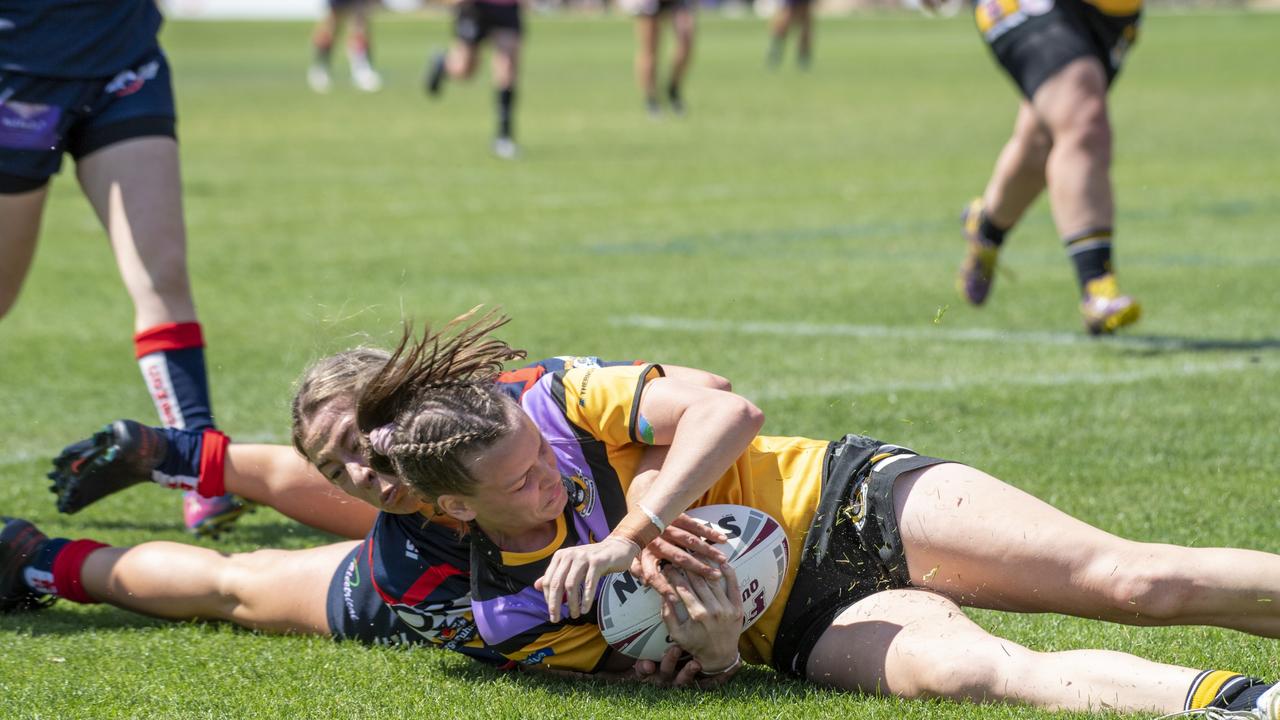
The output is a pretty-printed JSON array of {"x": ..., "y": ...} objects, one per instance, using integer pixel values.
[
  {"x": 89, "y": 79},
  {"x": 887, "y": 545},
  {"x": 407, "y": 582},
  {"x": 475, "y": 21},
  {"x": 359, "y": 46}
]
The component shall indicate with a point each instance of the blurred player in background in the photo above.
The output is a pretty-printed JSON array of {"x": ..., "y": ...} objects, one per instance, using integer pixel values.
[
  {"x": 90, "y": 79},
  {"x": 649, "y": 15},
  {"x": 475, "y": 21},
  {"x": 359, "y": 54},
  {"x": 1063, "y": 55},
  {"x": 796, "y": 14}
]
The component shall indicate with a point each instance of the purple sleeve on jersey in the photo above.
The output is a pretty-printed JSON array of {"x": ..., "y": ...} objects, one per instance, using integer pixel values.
[{"x": 509, "y": 616}]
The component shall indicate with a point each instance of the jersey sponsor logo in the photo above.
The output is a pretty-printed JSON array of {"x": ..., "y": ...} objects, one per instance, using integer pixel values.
[
  {"x": 6, "y": 24},
  {"x": 576, "y": 361},
  {"x": 28, "y": 126},
  {"x": 411, "y": 551},
  {"x": 129, "y": 82},
  {"x": 538, "y": 656},
  {"x": 582, "y": 493}
]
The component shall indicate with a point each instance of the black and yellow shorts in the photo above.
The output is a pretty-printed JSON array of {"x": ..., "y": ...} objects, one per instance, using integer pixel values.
[
  {"x": 1034, "y": 39},
  {"x": 853, "y": 549}
]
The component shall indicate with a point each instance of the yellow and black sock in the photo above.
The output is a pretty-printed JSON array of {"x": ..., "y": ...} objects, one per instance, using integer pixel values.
[
  {"x": 1224, "y": 690},
  {"x": 1090, "y": 251}
]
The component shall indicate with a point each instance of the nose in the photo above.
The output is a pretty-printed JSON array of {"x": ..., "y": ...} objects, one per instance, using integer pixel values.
[{"x": 361, "y": 476}]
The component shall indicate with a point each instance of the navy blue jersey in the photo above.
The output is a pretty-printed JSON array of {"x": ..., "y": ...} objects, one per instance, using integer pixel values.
[{"x": 76, "y": 38}]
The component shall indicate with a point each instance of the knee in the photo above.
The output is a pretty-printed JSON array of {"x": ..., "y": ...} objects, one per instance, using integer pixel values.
[
  {"x": 1088, "y": 130},
  {"x": 1145, "y": 585},
  {"x": 976, "y": 671}
]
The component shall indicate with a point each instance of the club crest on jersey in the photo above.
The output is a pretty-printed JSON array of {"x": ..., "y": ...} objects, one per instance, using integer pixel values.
[
  {"x": 582, "y": 493},
  {"x": 448, "y": 625},
  {"x": 856, "y": 511}
]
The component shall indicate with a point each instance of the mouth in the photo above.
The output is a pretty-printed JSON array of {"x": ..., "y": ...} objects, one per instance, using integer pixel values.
[{"x": 390, "y": 496}]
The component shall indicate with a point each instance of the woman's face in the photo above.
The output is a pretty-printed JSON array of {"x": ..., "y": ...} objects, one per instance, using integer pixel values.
[
  {"x": 332, "y": 445},
  {"x": 518, "y": 486}
]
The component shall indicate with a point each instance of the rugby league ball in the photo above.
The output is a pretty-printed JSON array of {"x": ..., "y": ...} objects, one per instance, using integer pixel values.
[{"x": 630, "y": 615}]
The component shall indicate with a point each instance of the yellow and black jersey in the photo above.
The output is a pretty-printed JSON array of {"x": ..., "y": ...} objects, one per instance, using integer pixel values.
[{"x": 590, "y": 417}]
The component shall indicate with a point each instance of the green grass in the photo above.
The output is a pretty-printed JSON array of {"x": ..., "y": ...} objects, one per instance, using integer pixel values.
[{"x": 823, "y": 201}]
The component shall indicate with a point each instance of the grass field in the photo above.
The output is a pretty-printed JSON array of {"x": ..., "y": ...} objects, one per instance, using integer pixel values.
[{"x": 796, "y": 233}]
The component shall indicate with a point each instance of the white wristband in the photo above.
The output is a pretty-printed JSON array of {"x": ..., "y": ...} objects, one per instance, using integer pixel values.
[
  {"x": 737, "y": 661},
  {"x": 653, "y": 517}
]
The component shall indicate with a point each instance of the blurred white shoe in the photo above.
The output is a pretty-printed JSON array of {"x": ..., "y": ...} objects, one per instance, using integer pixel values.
[
  {"x": 365, "y": 78},
  {"x": 318, "y": 78},
  {"x": 505, "y": 148}
]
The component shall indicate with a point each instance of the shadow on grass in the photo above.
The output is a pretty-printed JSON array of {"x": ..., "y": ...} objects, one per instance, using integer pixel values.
[
  {"x": 1162, "y": 344},
  {"x": 280, "y": 533}
]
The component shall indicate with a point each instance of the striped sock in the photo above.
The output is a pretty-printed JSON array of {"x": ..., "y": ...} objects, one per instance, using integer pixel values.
[
  {"x": 1224, "y": 690},
  {"x": 55, "y": 569},
  {"x": 1090, "y": 252}
]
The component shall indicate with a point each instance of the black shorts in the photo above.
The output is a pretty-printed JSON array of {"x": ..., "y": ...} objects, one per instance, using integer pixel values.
[
  {"x": 656, "y": 8},
  {"x": 475, "y": 21},
  {"x": 853, "y": 549},
  {"x": 43, "y": 118},
  {"x": 355, "y": 609},
  {"x": 1038, "y": 38}
]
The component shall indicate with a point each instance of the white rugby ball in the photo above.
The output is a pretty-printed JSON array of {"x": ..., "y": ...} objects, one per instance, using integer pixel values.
[{"x": 630, "y": 615}]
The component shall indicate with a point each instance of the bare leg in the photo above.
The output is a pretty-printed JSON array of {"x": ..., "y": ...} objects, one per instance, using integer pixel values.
[
  {"x": 135, "y": 188},
  {"x": 804, "y": 37},
  {"x": 987, "y": 544},
  {"x": 283, "y": 591},
  {"x": 1019, "y": 174},
  {"x": 278, "y": 477},
  {"x": 778, "y": 31},
  {"x": 918, "y": 644},
  {"x": 1073, "y": 106},
  {"x": 506, "y": 59},
  {"x": 18, "y": 234},
  {"x": 460, "y": 63},
  {"x": 685, "y": 23},
  {"x": 646, "y": 56}
]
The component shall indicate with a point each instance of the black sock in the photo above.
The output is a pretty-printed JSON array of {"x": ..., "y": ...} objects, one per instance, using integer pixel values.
[
  {"x": 1091, "y": 253},
  {"x": 1247, "y": 699},
  {"x": 989, "y": 233},
  {"x": 506, "y": 100}
]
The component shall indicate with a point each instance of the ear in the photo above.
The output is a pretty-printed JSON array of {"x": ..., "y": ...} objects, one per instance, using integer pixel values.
[{"x": 456, "y": 507}]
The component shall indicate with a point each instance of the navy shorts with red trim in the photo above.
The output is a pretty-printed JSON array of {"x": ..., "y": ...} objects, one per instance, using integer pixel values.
[{"x": 41, "y": 118}]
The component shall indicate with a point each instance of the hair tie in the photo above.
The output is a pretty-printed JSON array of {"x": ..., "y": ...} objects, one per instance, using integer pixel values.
[{"x": 380, "y": 439}]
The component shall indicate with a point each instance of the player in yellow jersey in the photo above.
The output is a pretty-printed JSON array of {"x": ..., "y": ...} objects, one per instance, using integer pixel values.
[
  {"x": 888, "y": 544},
  {"x": 1063, "y": 55}
]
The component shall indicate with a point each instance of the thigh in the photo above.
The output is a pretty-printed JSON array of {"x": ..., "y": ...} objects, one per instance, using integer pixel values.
[
  {"x": 288, "y": 591},
  {"x": 888, "y": 642},
  {"x": 1073, "y": 97},
  {"x": 18, "y": 234},
  {"x": 988, "y": 544}
]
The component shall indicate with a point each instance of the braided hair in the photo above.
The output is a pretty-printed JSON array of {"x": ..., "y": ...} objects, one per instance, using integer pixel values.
[{"x": 435, "y": 400}]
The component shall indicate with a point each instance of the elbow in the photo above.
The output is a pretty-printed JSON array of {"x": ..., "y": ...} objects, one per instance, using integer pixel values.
[{"x": 748, "y": 416}]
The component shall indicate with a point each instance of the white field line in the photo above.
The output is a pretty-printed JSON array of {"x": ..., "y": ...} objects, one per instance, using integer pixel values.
[
  {"x": 950, "y": 384},
  {"x": 932, "y": 333},
  {"x": 776, "y": 391}
]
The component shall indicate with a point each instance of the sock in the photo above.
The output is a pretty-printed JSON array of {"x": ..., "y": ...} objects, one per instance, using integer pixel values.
[
  {"x": 359, "y": 49},
  {"x": 171, "y": 357},
  {"x": 55, "y": 569},
  {"x": 673, "y": 93},
  {"x": 193, "y": 461},
  {"x": 775, "y": 50},
  {"x": 506, "y": 100},
  {"x": 1091, "y": 253},
  {"x": 1224, "y": 690},
  {"x": 989, "y": 232},
  {"x": 322, "y": 41}
]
